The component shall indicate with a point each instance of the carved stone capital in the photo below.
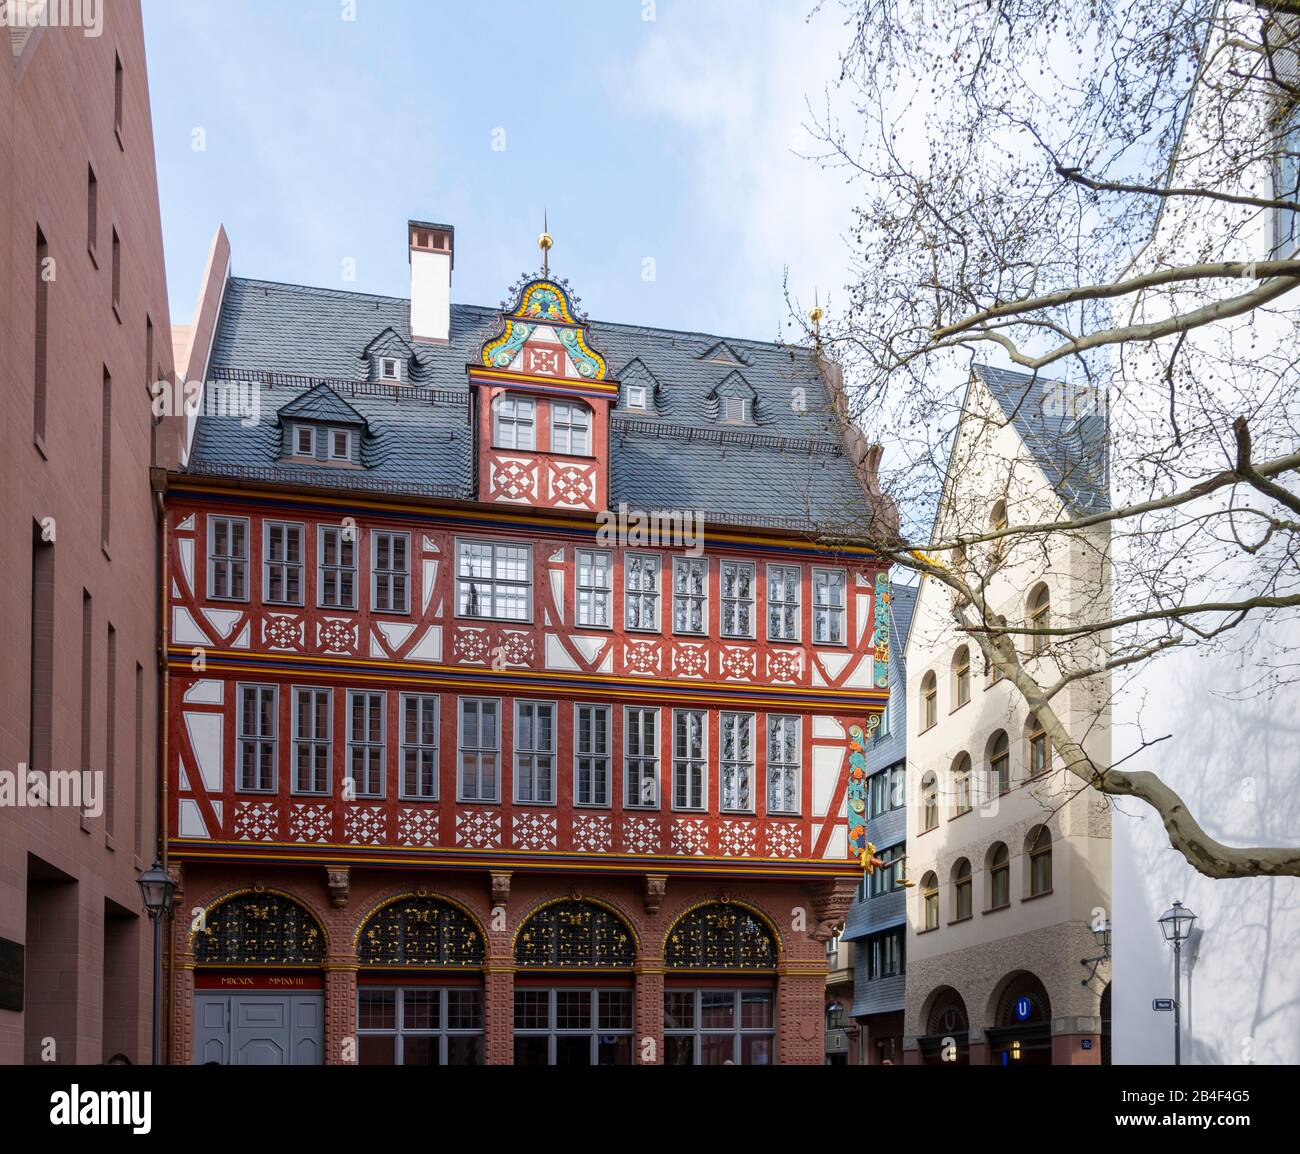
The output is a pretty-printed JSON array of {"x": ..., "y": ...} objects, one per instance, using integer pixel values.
[
  {"x": 656, "y": 885},
  {"x": 339, "y": 880},
  {"x": 830, "y": 903},
  {"x": 500, "y": 888}
]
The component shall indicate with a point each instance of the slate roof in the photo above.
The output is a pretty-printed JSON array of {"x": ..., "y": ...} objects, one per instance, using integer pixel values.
[
  {"x": 1070, "y": 449},
  {"x": 321, "y": 404},
  {"x": 283, "y": 341}
]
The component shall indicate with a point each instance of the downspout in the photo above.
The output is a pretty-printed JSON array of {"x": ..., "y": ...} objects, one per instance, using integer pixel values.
[{"x": 158, "y": 482}]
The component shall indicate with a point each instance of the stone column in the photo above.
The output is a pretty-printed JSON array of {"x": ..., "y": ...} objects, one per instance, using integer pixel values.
[
  {"x": 800, "y": 999},
  {"x": 181, "y": 1034},
  {"x": 499, "y": 1012},
  {"x": 341, "y": 1011},
  {"x": 648, "y": 1040}
]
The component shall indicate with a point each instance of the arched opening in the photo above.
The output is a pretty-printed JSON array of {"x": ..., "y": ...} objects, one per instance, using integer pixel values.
[
  {"x": 962, "y": 890},
  {"x": 1039, "y": 616},
  {"x": 1039, "y": 756},
  {"x": 1021, "y": 1034},
  {"x": 997, "y": 867},
  {"x": 259, "y": 990},
  {"x": 1038, "y": 862},
  {"x": 730, "y": 1019},
  {"x": 929, "y": 801},
  {"x": 999, "y": 761},
  {"x": 574, "y": 989},
  {"x": 946, "y": 1041},
  {"x": 963, "y": 785},
  {"x": 929, "y": 701},
  {"x": 997, "y": 522},
  {"x": 420, "y": 985},
  {"x": 961, "y": 677},
  {"x": 930, "y": 900}
]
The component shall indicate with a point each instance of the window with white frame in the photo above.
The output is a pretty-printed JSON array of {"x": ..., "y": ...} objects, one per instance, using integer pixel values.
[
  {"x": 304, "y": 441},
  {"x": 595, "y": 584},
  {"x": 479, "y": 753},
  {"x": 258, "y": 729},
  {"x": 737, "y": 761},
  {"x": 535, "y": 752},
  {"x": 591, "y": 737},
  {"x": 690, "y": 595},
  {"x": 737, "y": 598},
  {"x": 336, "y": 568},
  {"x": 736, "y": 410},
  {"x": 783, "y": 583},
  {"x": 419, "y": 742},
  {"x": 689, "y": 753},
  {"x": 493, "y": 580},
  {"x": 514, "y": 423},
  {"x": 783, "y": 763},
  {"x": 641, "y": 572},
  {"x": 366, "y": 742},
  {"x": 828, "y": 606},
  {"x": 282, "y": 564},
  {"x": 570, "y": 428},
  {"x": 390, "y": 572},
  {"x": 340, "y": 444},
  {"x": 641, "y": 758},
  {"x": 228, "y": 558},
  {"x": 311, "y": 740},
  {"x": 636, "y": 396},
  {"x": 390, "y": 369}
]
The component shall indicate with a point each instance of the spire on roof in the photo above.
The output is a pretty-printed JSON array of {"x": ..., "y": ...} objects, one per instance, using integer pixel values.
[{"x": 545, "y": 242}]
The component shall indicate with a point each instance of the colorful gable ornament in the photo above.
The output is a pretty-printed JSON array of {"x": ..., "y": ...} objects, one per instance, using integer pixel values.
[
  {"x": 543, "y": 337},
  {"x": 880, "y": 635}
]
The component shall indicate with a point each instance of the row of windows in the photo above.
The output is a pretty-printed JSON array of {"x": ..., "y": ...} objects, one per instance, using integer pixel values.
[
  {"x": 479, "y": 751},
  {"x": 494, "y": 580},
  {"x": 962, "y": 787},
  {"x": 1038, "y": 880},
  {"x": 1038, "y": 617},
  {"x": 430, "y": 1026}
]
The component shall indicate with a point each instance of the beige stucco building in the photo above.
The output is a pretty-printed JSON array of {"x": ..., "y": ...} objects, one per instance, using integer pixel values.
[{"x": 1009, "y": 853}]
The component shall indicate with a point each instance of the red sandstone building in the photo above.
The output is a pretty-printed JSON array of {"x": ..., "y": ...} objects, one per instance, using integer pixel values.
[
  {"x": 460, "y": 767},
  {"x": 83, "y": 331}
]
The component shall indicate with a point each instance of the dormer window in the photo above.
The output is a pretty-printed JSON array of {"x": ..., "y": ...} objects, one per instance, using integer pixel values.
[
  {"x": 636, "y": 396},
  {"x": 390, "y": 369},
  {"x": 570, "y": 428},
  {"x": 737, "y": 410},
  {"x": 340, "y": 444},
  {"x": 304, "y": 441},
  {"x": 513, "y": 423}
]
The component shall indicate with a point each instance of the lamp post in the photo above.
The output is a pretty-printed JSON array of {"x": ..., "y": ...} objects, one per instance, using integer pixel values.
[
  {"x": 1176, "y": 925},
  {"x": 157, "y": 890}
]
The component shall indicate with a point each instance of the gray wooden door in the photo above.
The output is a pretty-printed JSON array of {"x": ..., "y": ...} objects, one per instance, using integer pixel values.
[{"x": 259, "y": 1029}]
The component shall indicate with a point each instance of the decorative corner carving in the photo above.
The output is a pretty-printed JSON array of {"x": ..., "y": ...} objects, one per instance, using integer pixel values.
[
  {"x": 500, "y": 889},
  {"x": 656, "y": 885},
  {"x": 830, "y": 902},
  {"x": 340, "y": 883}
]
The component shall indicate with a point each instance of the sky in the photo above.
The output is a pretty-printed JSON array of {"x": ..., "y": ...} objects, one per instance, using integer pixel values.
[{"x": 661, "y": 137}]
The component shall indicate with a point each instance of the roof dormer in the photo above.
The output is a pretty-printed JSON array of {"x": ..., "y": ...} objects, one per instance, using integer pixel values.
[
  {"x": 319, "y": 427},
  {"x": 733, "y": 401},
  {"x": 542, "y": 400}
]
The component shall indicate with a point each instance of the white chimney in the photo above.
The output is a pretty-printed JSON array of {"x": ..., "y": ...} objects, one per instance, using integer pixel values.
[{"x": 432, "y": 247}]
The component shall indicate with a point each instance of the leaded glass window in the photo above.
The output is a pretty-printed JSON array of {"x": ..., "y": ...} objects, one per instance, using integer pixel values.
[
  {"x": 641, "y": 763},
  {"x": 336, "y": 574},
  {"x": 418, "y": 931},
  {"x": 514, "y": 423},
  {"x": 828, "y": 606},
  {"x": 690, "y": 595},
  {"x": 641, "y": 589},
  {"x": 783, "y": 764},
  {"x": 689, "y": 758},
  {"x": 737, "y": 581},
  {"x": 577, "y": 934},
  {"x": 720, "y": 937},
  {"x": 570, "y": 428},
  {"x": 493, "y": 580},
  {"x": 595, "y": 582},
  {"x": 263, "y": 929},
  {"x": 783, "y": 602},
  {"x": 535, "y": 752},
  {"x": 737, "y": 761},
  {"x": 591, "y": 730}
]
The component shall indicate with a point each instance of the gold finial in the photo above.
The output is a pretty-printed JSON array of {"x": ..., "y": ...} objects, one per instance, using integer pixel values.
[
  {"x": 815, "y": 315},
  {"x": 545, "y": 242}
]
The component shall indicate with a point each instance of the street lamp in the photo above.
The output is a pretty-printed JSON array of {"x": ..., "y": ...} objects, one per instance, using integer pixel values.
[
  {"x": 157, "y": 890},
  {"x": 1176, "y": 925}
]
